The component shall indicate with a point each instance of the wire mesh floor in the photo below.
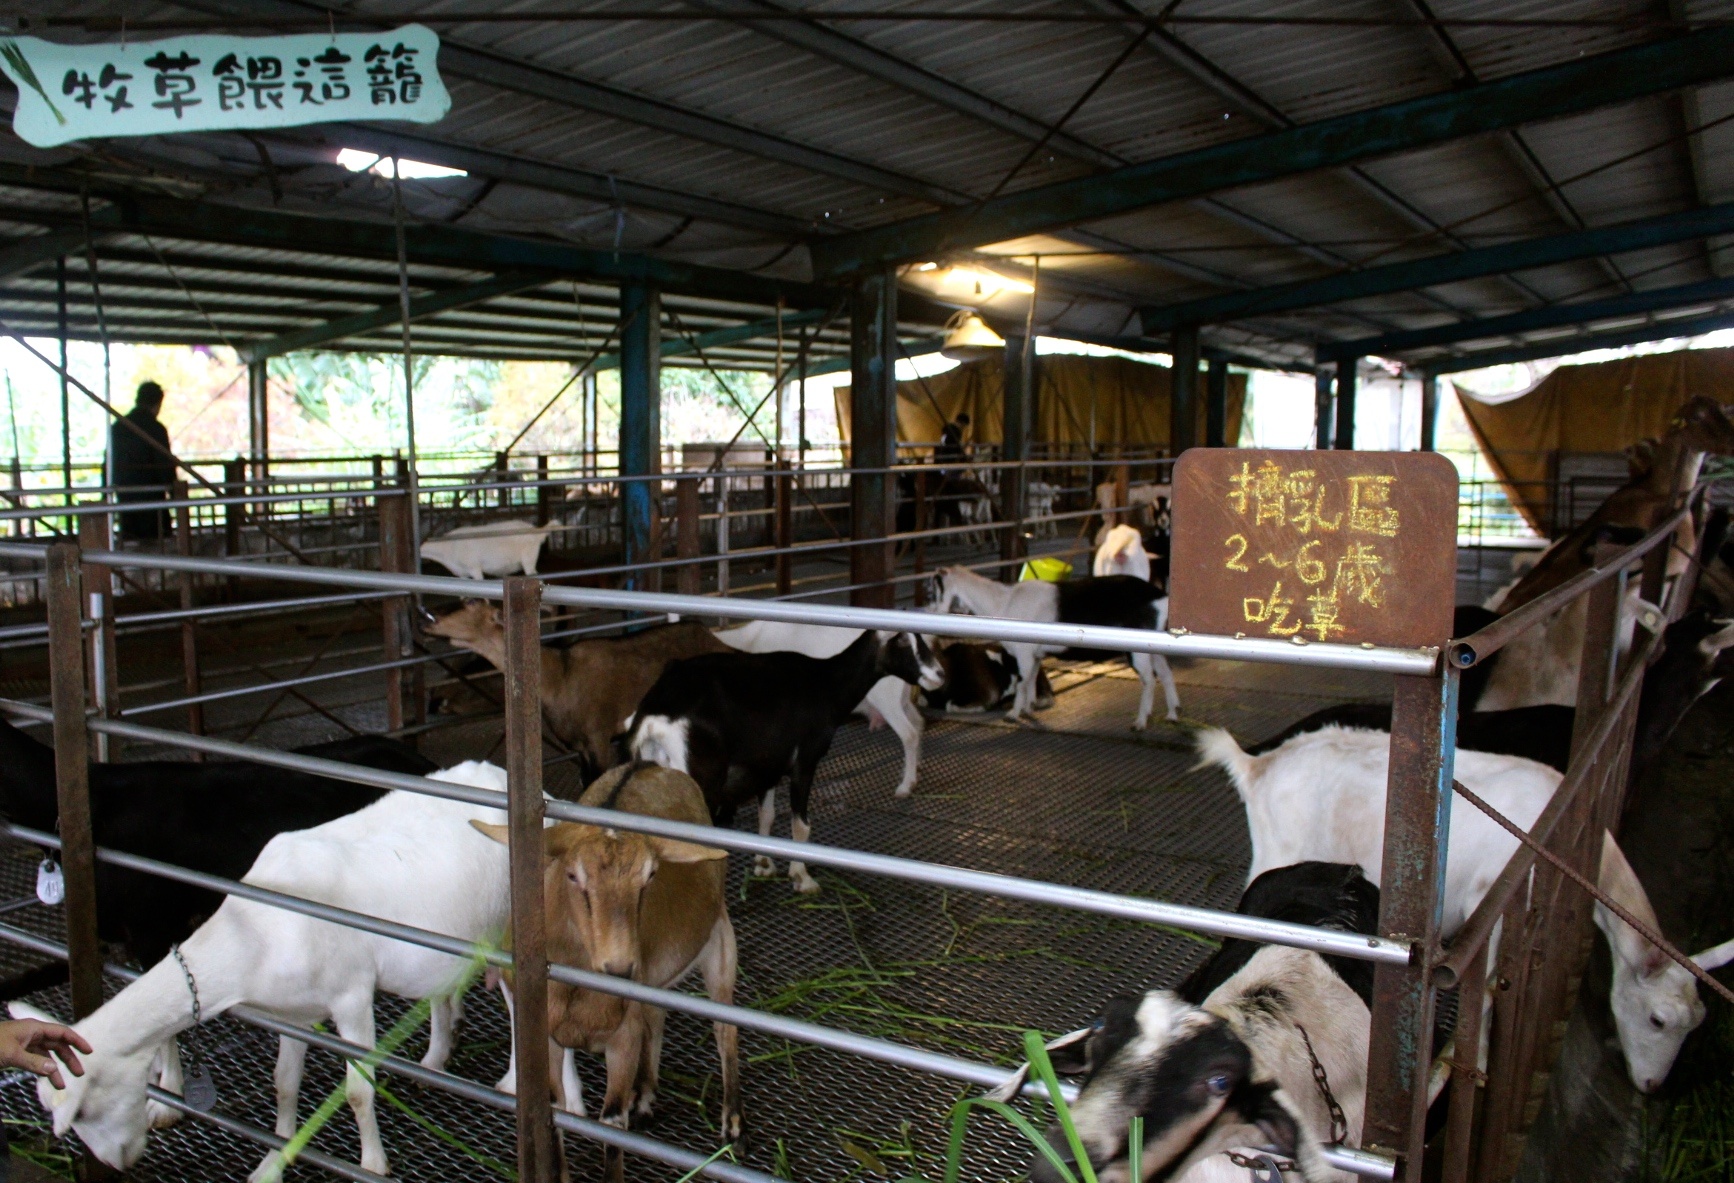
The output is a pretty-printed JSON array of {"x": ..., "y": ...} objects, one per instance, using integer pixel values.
[{"x": 1076, "y": 798}]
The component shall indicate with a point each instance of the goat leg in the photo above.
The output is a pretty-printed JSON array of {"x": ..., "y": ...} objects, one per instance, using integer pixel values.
[
  {"x": 720, "y": 962},
  {"x": 649, "y": 1064},
  {"x": 763, "y": 865}
]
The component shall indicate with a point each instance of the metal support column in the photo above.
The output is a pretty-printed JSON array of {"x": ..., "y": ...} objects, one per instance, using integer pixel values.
[
  {"x": 1429, "y": 411},
  {"x": 1183, "y": 405},
  {"x": 1412, "y": 884},
  {"x": 258, "y": 418},
  {"x": 394, "y": 612},
  {"x": 65, "y": 389},
  {"x": 189, "y": 627},
  {"x": 873, "y": 433},
  {"x": 72, "y": 775},
  {"x": 95, "y": 532},
  {"x": 1322, "y": 408},
  {"x": 1346, "y": 372},
  {"x": 686, "y": 537},
  {"x": 523, "y": 605},
  {"x": 640, "y": 425},
  {"x": 1019, "y": 381},
  {"x": 1216, "y": 405}
]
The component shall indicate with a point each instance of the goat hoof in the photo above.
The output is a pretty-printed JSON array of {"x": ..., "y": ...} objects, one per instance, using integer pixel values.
[
  {"x": 508, "y": 1084},
  {"x": 903, "y": 790},
  {"x": 764, "y": 867},
  {"x": 160, "y": 1117},
  {"x": 805, "y": 884},
  {"x": 1140, "y": 726},
  {"x": 731, "y": 1125},
  {"x": 645, "y": 1106},
  {"x": 271, "y": 1168},
  {"x": 617, "y": 1120}
]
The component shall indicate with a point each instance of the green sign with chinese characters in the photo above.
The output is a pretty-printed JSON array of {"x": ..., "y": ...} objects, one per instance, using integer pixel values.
[{"x": 208, "y": 83}]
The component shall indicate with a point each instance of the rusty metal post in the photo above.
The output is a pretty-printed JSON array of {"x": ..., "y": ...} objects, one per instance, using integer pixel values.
[
  {"x": 1466, "y": 1078},
  {"x": 1598, "y": 663},
  {"x": 72, "y": 774},
  {"x": 1417, "y": 824},
  {"x": 523, "y": 603},
  {"x": 1122, "y": 493},
  {"x": 94, "y": 533},
  {"x": 394, "y": 612},
  {"x": 544, "y": 493},
  {"x": 920, "y": 542},
  {"x": 686, "y": 537},
  {"x": 189, "y": 631},
  {"x": 785, "y": 538}
]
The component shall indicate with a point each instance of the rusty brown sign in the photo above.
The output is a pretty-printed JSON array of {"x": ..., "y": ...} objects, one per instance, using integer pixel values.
[{"x": 1318, "y": 546}]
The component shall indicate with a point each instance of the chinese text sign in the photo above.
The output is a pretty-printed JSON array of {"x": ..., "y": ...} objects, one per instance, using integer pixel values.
[
  {"x": 1318, "y": 546},
  {"x": 204, "y": 83}
]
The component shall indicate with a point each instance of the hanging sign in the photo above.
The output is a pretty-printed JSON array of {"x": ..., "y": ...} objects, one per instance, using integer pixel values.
[
  {"x": 209, "y": 83},
  {"x": 1315, "y": 546}
]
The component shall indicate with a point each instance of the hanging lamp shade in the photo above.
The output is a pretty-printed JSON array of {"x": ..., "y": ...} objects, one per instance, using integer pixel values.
[{"x": 967, "y": 338}]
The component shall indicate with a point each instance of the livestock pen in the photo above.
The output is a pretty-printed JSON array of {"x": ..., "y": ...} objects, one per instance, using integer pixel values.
[{"x": 945, "y": 927}]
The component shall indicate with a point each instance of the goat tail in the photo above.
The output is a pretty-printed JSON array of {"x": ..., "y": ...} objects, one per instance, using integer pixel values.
[{"x": 1216, "y": 746}]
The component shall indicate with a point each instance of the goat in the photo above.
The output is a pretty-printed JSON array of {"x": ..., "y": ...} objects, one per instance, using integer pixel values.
[
  {"x": 889, "y": 699},
  {"x": 408, "y": 857},
  {"x": 494, "y": 548},
  {"x": 1695, "y": 657},
  {"x": 1322, "y": 796},
  {"x": 1227, "y": 1061},
  {"x": 977, "y": 677},
  {"x": 1039, "y": 500},
  {"x": 1701, "y": 426},
  {"x": 1540, "y": 665},
  {"x": 1120, "y": 551},
  {"x": 737, "y": 722},
  {"x": 1654, "y": 1000},
  {"x": 1145, "y": 502},
  {"x": 640, "y": 907},
  {"x": 214, "y": 817},
  {"x": 591, "y": 687},
  {"x": 1119, "y": 600}
]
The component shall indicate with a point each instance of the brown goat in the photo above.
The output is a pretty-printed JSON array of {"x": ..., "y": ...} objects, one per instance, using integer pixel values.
[
  {"x": 639, "y": 907},
  {"x": 590, "y": 688}
]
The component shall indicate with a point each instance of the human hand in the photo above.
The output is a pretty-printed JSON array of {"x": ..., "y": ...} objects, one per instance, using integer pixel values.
[{"x": 26, "y": 1044}]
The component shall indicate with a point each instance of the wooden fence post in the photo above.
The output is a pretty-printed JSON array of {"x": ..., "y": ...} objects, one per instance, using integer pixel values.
[
  {"x": 72, "y": 775},
  {"x": 686, "y": 536},
  {"x": 523, "y": 603},
  {"x": 785, "y": 528},
  {"x": 94, "y": 533},
  {"x": 189, "y": 631},
  {"x": 394, "y": 612}
]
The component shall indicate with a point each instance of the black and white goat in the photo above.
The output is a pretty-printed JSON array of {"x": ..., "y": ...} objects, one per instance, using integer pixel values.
[
  {"x": 1122, "y": 601},
  {"x": 1226, "y": 1062},
  {"x": 214, "y": 817},
  {"x": 738, "y": 722}
]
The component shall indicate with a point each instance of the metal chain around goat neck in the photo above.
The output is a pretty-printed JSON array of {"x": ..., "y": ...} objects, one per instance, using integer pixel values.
[
  {"x": 198, "y": 1017},
  {"x": 1339, "y": 1123}
]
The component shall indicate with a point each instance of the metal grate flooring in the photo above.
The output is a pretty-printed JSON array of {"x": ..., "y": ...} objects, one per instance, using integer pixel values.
[{"x": 1077, "y": 798}]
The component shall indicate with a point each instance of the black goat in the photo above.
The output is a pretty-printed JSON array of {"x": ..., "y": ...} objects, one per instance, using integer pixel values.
[
  {"x": 738, "y": 722},
  {"x": 977, "y": 677},
  {"x": 214, "y": 817}
]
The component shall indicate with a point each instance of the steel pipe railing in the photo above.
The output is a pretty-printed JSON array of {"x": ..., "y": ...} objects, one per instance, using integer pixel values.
[{"x": 1421, "y": 662}]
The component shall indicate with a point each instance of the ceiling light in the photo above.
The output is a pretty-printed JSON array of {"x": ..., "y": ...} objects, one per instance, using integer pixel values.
[
  {"x": 356, "y": 160},
  {"x": 970, "y": 283},
  {"x": 967, "y": 338}
]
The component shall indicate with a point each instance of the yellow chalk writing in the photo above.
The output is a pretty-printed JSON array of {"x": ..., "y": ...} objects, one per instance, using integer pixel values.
[
  {"x": 1234, "y": 563},
  {"x": 1370, "y": 510}
]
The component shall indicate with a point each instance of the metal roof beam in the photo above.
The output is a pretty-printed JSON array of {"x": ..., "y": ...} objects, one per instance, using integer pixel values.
[
  {"x": 1529, "y": 320},
  {"x": 428, "y": 244},
  {"x": 1449, "y": 268},
  {"x": 1578, "y": 85},
  {"x": 388, "y": 314},
  {"x": 24, "y": 254},
  {"x": 1565, "y": 347},
  {"x": 680, "y": 346}
]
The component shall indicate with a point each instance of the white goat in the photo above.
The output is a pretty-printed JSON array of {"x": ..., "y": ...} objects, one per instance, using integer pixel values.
[
  {"x": 1039, "y": 499},
  {"x": 494, "y": 548},
  {"x": 1141, "y": 501},
  {"x": 1321, "y": 796},
  {"x": 1075, "y": 601},
  {"x": 1540, "y": 665},
  {"x": 409, "y": 858},
  {"x": 1654, "y": 1000},
  {"x": 1120, "y": 551},
  {"x": 891, "y": 699}
]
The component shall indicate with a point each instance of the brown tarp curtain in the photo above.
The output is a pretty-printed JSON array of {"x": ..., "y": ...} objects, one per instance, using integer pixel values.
[
  {"x": 1605, "y": 407},
  {"x": 1129, "y": 400}
]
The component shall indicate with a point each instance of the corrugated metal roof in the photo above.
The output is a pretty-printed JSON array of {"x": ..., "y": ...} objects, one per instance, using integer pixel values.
[{"x": 726, "y": 143}]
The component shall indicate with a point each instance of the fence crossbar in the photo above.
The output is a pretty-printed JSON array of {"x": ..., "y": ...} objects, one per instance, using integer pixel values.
[
  {"x": 1422, "y": 662},
  {"x": 1479, "y": 646}
]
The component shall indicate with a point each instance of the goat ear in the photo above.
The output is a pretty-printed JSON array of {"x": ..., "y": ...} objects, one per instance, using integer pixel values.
[
  {"x": 670, "y": 850},
  {"x": 1715, "y": 958},
  {"x": 499, "y": 834},
  {"x": 1620, "y": 883}
]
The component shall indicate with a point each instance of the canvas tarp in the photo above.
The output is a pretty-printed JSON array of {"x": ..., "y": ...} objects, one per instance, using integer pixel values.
[
  {"x": 1605, "y": 407},
  {"x": 1128, "y": 399}
]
